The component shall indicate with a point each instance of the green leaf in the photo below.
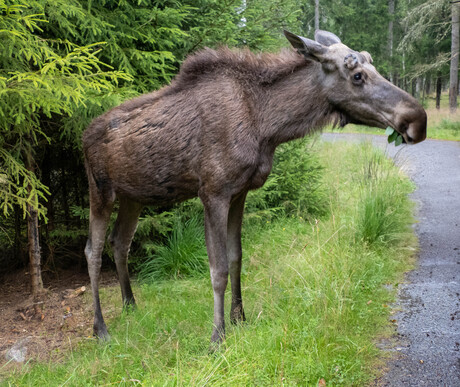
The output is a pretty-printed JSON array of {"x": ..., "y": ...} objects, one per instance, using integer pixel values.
[
  {"x": 392, "y": 137},
  {"x": 389, "y": 131},
  {"x": 399, "y": 140}
]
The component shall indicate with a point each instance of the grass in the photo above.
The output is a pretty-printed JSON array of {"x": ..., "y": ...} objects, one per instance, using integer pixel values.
[
  {"x": 442, "y": 125},
  {"x": 183, "y": 255},
  {"x": 316, "y": 299}
]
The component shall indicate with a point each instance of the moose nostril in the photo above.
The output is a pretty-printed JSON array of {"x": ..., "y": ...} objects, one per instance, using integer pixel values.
[{"x": 416, "y": 131}]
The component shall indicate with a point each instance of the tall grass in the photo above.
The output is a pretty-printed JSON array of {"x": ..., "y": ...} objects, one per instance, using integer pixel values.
[
  {"x": 380, "y": 215},
  {"x": 182, "y": 255},
  {"x": 314, "y": 298}
]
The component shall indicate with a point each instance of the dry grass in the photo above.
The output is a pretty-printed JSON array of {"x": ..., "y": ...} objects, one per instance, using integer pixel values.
[{"x": 435, "y": 116}]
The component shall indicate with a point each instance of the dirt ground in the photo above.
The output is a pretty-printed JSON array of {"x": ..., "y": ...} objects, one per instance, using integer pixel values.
[{"x": 49, "y": 328}]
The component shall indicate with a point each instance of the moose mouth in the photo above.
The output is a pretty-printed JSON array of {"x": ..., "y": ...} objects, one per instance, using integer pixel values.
[
  {"x": 404, "y": 129},
  {"x": 345, "y": 119}
]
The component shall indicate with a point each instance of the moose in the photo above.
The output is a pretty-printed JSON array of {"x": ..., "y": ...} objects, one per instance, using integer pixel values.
[{"x": 212, "y": 133}]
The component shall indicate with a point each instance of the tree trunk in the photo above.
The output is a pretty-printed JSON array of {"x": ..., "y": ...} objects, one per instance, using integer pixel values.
[
  {"x": 316, "y": 15},
  {"x": 65, "y": 198},
  {"x": 438, "y": 91},
  {"x": 423, "y": 85},
  {"x": 18, "y": 256},
  {"x": 34, "y": 252},
  {"x": 418, "y": 87},
  {"x": 428, "y": 85},
  {"x": 391, "y": 11},
  {"x": 34, "y": 242},
  {"x": 453, "y": 90}
]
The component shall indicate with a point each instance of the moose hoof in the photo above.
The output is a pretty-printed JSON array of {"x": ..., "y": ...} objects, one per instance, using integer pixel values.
[
  {"x": 101, "y": 333},
  {"x": 129, "y": 305},
  {"x": 217, "y": 339},
  {"x": 215, "y": 346},
  {"x": 237, "y": 315}
]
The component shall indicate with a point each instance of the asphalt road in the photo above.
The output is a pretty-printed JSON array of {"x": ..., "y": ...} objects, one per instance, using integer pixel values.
[{"x": 428, "y": 347}]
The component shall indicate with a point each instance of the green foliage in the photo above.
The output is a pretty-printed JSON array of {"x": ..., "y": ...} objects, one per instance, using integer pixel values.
[
  {"x": 256, "y": 24},
  {"x": 294, "y": 186},
  {"x": 393, "y": 136},
  {"x": 141, "y": 37},
  {"x": 446, "y": 124},
  {"x": 183, "y": 254},
  {"x": 39, "y": 79},
  {"x": 447, "y": 129},
  {"x": 426, "y": 40}
]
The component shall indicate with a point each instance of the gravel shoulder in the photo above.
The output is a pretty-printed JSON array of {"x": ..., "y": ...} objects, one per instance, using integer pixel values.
[{"x": 429, "y": 320}]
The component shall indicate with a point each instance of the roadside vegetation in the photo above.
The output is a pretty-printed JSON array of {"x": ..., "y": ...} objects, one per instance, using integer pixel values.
[{"x": 317, "y": 283}]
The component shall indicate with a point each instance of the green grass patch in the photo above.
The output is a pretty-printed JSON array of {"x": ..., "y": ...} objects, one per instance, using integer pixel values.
[
  {"x": 182, "y": 255},
  {"x": 315, "y": 292}
]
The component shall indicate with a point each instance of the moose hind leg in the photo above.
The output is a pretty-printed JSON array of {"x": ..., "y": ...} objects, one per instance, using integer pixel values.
[
  {"x": 98, "y": 222},
  {"x": 216, "y": 214},
  {"x": 120, "y": 240},
  {"x": 234, "y": 254}
]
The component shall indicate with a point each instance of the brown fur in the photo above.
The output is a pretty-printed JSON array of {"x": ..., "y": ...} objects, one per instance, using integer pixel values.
[
  {"x": 212, "y": 133},
  {"x": 181, "y": 132}
]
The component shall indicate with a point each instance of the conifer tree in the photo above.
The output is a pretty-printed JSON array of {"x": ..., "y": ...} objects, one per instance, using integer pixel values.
[{"x": 39, "y": 79}]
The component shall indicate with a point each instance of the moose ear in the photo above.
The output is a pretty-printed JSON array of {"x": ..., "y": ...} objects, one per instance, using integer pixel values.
[
  {"x": 307, "y": 47},
  {"x": 326, "y": 38},
  {"x": 367, "y": 56}
]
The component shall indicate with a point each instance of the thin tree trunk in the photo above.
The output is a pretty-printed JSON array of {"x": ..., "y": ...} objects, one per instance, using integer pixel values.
[
  {"x": 65, "y": 198},
  {"x": 34, "y": 242},
  {"x": 34, "y": 252},
  {"x": 316, "y": 15},
  {"x": 438, "y": 91},
  {"x": 453, "y": 90},
  {"x": 418, "y": 87},
  {"x": 423, "y": 85},
  {"x": 428, "y": 85},
  {"x": 18, "y": 256},
  {"x": 391, "y": 11}
]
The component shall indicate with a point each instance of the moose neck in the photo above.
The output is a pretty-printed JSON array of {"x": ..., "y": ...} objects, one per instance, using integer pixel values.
[{"x": 295, "y": 105}]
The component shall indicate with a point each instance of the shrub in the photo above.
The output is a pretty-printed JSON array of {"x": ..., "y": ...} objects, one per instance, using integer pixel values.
[
  {"x": 294, "y": 186},
  {"x": 182, "y": 255}
]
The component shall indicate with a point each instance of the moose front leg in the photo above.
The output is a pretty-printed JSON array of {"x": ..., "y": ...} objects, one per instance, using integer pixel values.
[
  {"x": 216, "y": 214},
  {"x": 234, "y": 254}
]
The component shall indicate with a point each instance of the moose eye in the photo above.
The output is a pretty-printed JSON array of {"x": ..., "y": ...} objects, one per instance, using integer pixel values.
[{"x": 358, "y": 76}]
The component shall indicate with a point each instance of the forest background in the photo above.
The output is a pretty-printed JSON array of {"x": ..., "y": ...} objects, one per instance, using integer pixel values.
[{"x": 64, "y": 62}]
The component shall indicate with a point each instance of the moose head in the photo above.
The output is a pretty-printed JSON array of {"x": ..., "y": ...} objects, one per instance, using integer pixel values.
[{"x": 356, "y": 89}]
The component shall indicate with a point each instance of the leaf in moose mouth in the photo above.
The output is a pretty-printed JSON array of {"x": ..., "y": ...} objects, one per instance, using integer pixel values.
[{"x": 393, "y": 135}]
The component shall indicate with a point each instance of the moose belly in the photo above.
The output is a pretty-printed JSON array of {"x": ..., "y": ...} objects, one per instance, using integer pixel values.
[{"x": 157, "y": 192}]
